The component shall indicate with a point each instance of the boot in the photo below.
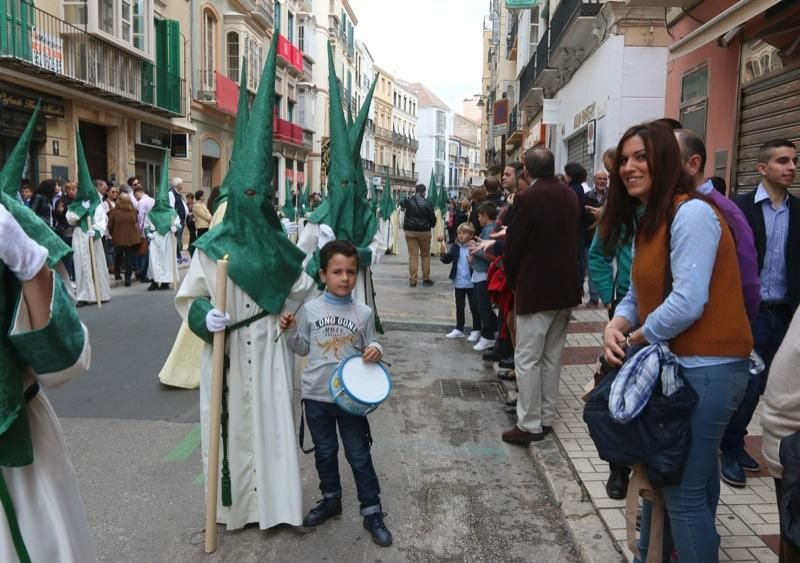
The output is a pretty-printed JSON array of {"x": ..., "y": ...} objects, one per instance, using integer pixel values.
[
  {"x": 326, "y": 508},
  {"x": 152, "y": 287},
  {"x": 377, "y": 529}
]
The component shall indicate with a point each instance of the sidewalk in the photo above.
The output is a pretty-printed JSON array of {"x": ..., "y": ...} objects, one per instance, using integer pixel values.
[{"x": 747, "y": 519}]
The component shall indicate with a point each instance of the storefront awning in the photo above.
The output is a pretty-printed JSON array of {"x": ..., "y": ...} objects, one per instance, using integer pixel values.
[
  {"x": 521, "y": 4},
  {"x": 718, "y": 26}
]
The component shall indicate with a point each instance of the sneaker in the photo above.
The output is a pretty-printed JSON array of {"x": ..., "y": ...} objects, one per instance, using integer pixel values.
[
  {"x": 483, "y": 344},
  {"x": 732, "y": 472},
  {"x": 474, "y": 336},
  {"x": 326, "y": 508},
  {"x": 374, "y": 524},
  {"x": 748, "y": 463},
  {"x": 455, "y": 333},
  {"x": 427, "y": 283}
]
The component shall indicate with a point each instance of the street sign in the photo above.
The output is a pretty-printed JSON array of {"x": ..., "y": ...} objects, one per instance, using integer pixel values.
[{"x": 500, "y": 118}]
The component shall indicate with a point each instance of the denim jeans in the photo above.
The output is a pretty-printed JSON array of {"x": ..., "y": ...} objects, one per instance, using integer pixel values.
[
  {"x": 692, "y": 505},
  {"x": 488, "y": 318},
  {"x": 769, "y": 328},
  {"x": 464, "y": 295},
  {"x": 593, "y": 294},
  {"x": 322, "y": 419}
]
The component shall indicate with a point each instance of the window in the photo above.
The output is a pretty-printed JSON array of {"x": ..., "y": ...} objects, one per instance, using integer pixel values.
[
  {"x": 441, "y": 123},
  {"x": 534, "y": 34},
  {"x": 127, "y": 21},
  {"x": 254, "y": 52},
  {"x": 139, "y": 28},
  {"x": 106, "y": 16},
  {"x": 694, "y": 102},
  {"x": 233, "y": 56},
  {"x": 290, "y": 111},
  {"x": 301, "y": 37},
  {"x": 277, "y": 16},
  {"x": 75, "y": 12},
  {"x": 208, "y": 59},
  {"x": 290, "y": 27}
]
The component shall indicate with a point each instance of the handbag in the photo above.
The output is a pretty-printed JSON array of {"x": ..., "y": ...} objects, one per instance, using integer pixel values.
[{"x": 141, "y": 248}]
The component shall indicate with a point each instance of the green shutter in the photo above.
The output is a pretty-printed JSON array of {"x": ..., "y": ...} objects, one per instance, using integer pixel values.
[
  {"x": 168, "y": 65},
  {"x": 16, "y": 28},
  {"x": 148, "y": 84}
]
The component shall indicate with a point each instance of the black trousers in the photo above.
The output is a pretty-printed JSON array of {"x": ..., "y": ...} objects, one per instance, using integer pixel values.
[
  {"x": 463, "y": 295},
  {"x": 124, "y": 254},
  {"x": 488, "y": 318}
]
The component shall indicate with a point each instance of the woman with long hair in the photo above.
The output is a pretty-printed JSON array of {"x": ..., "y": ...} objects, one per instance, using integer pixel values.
[
  {"x": 123, "y": 225},
  {"x": 685, "y": 291}
]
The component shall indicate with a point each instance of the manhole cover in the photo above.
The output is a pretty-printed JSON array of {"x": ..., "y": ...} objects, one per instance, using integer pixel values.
[{"x": 468, "y": 389}]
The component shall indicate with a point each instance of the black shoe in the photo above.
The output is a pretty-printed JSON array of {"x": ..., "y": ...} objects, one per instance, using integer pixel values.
[
  {"x": 491, "y": 356},
  {"x": 377, "y": 529},
  {"x": 164, "y": 286},
  {"x": 117, "y": 277},
  {"x": 547, "y": 429},
  {"x": 511, "y": 410},
  {"x": 508, "y": 363},
  {"x": 326, "y": 508},
  {"x": 426, "y": 283},
  {"x": 128, "y": 282},
  {"x": 511, "y": 403},
  {"x": 617, "y": 484},
  {"x": 152, "y": 287},
  {"x": 81, "y": 304}
]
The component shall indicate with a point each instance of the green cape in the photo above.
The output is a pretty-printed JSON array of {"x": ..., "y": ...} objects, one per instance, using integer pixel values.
[
  {"x": 261, "y": 259},
  {"x": 87, "y": 193},
  {"x": 288, "y": 209},
  {"x": 387, "y": 203},
  {"x": 239, "y": 131},
  {"x": 162, "y": 215},
  {"x": 32, "y": 224},
  {"x": 433, "y": 191}
]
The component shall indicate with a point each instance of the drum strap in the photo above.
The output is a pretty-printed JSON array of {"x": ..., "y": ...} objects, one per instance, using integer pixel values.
[{"x": 302, "y": 435}]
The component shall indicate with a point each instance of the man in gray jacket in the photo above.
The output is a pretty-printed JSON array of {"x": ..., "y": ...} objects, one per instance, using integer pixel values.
[{"x": 419, "y": 220}]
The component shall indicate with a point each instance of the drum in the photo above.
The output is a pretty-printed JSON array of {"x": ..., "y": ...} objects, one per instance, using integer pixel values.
[{"x": 359, "y": 387}]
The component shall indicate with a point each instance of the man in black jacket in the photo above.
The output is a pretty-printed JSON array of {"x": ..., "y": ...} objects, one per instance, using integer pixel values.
[
  {"x": 774, "y": 215},
  {"x": 419, "y": 220}
]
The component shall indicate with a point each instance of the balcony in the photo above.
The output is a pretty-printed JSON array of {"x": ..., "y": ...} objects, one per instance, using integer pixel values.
[
  {"x": 384, "y": 134},
  {"x": 368, "y": 164},
  {"x": 308, "y": 140},
  {"x": 308, "y": 68},
  {"x": 396, "y": 173},
  {"x": 527, "y": 78},
  {"x": 42, "y": 44},
  {"x": 514, "y": 127},
  {"x": 217, "y": 90},
  {"x": 571, "y": 25},
  {"x": 511, "y": 40},
  {"x": 264, "y": 12},
  {"x": 287, "y": 132},
  {"x": 291, "y": 55}
]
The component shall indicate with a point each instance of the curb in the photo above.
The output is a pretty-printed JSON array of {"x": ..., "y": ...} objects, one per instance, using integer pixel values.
[{"x": 590, "y": 536}]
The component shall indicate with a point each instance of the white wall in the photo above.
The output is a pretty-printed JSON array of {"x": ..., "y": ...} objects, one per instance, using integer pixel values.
[{"x": 627, "y": 86}]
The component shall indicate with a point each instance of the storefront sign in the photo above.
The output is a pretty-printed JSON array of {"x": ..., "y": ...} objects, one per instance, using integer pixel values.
[
  {"x": 13, "y": 123},
  {"x": 22, "y": 99},
  {"x": 521, "y": 4},
  {"x": 583, "y": 117},
  {"x": 500, "y": 118}
]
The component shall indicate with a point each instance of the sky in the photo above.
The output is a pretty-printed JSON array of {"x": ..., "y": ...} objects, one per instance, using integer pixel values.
[{"x": 436, "y": 42}]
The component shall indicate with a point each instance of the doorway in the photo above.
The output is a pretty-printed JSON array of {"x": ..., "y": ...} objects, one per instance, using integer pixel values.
[{"x": 95, "y": 147}]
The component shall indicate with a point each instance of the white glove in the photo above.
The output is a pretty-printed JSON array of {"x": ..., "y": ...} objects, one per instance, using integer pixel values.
[
  {"x": 174, "y": 229},
  {"x": 216, "y": 320},
  {"x": 20, "y": 253},
  {"x": 325, "y": 236},
  {"x": 151, "y": 236},
  {"x": 291, "y": 227}
]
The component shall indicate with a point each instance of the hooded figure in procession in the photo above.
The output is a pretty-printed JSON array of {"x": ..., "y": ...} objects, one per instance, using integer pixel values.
[
  {"x": 87, "y": 210},
  {"x": 265, "y": 279},
  {"x": 182, "y": 368},
  {"x": 160, "y": 226},
  {"x": 42, "y": 342},
  {"x": 345, "y": 214}
]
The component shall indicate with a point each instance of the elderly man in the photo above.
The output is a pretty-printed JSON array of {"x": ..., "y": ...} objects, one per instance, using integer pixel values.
[
  {"x": 541, "y": 265},
  {"x": 593, "y": 203},
  {"x": 176, "y": 201}
]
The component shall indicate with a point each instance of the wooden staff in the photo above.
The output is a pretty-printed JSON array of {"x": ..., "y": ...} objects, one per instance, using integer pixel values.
[
  {"x": 93, "y": 263},
  {"x": 214, "y": 422}
]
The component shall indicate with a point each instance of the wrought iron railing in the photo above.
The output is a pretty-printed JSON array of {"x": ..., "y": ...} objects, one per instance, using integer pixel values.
[
  {"x": 39, "y": 41},
  {"x": 527, "y": 77},
  {"x": 542, "y": 53},
  {"x": 565, "y": 12}
]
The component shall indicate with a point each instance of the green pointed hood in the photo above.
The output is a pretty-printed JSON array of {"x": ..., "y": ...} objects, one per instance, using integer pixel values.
[
  {"x": 261, "y": 259},
  {"x": 288, "y": 209},
  {"x": 356, "y": 137},
  {"x": 239, "y": 132},
  {"x": 387, "y": 202},
  {"x": 442, "y": 203},
  {"x": 163, "y": 214},
  {"x": 433, "y": 191},
  {"x": 87, "y": 199},
  {"x": 32, "y": 224},
  {"x": 346, "y": 209}
]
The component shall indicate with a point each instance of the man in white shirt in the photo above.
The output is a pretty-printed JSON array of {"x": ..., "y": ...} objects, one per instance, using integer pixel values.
[
  {"x": 177, "y": 202},
  {"x": 144, "y": 204}
]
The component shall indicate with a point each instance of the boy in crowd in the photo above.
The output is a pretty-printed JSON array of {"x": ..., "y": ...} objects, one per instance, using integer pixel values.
[
  {"x": 327, "y": 330},
  {"x": 461, "y": 275},
  {"x": 487, "y": 214}
]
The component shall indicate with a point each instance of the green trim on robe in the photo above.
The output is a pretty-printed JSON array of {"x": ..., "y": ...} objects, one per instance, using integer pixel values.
[
  {"x": 36, "y": 348},
  {"x": 197, "y": 319},
  {"x": 365, "y": 257}
]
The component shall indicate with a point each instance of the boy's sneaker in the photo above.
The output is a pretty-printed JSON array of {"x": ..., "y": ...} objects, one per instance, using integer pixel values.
[
  {"x": 455, "y": 333},
  {"x": 474, "y": 336},
  {"x": 327, "y": 507},
  {"x": 483, "y": 344},
  {"x": 377, "y": 529}
]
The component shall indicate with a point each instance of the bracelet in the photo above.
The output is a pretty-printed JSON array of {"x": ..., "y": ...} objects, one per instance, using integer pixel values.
[{"x": 627, "y": 340}]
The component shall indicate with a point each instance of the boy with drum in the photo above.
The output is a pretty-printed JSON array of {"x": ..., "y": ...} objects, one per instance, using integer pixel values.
[{"x": 328, "y": 330}]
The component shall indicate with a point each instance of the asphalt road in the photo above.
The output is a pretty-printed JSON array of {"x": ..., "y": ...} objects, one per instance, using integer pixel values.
[{"x": 451, "y": 488}]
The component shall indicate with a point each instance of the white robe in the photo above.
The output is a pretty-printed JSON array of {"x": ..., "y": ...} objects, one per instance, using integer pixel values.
[
  {"x": 362, "y": 292},
  {"x": 262, "y": 443},
  {"x": 45, "y": 494},
  {"x": 163, "y": 265},
  {"x": 82, "y": 259},
  {"x": 394, "y": 242}
]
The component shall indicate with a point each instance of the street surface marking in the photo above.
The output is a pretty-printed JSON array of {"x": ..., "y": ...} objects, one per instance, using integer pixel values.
[{"x": 186, "y": 446}]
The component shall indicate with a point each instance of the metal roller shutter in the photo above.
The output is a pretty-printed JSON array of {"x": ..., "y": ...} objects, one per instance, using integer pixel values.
[
  {"x": 576, "y": 151},
  {"x": 770, "y": 109}
]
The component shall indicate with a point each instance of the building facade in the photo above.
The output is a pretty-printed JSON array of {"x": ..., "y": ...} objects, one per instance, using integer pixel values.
[
  {"x": 464, "y": 156},
  {"x": 404, "y": 136},
  {"x": 434, "y": 128},
  {"x": 114, "y": 71}
]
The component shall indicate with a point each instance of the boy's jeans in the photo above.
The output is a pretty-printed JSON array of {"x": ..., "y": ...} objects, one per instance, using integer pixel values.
[
  {"x": 488, "y": 318},
  {"x": 322, "y": 419}
]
